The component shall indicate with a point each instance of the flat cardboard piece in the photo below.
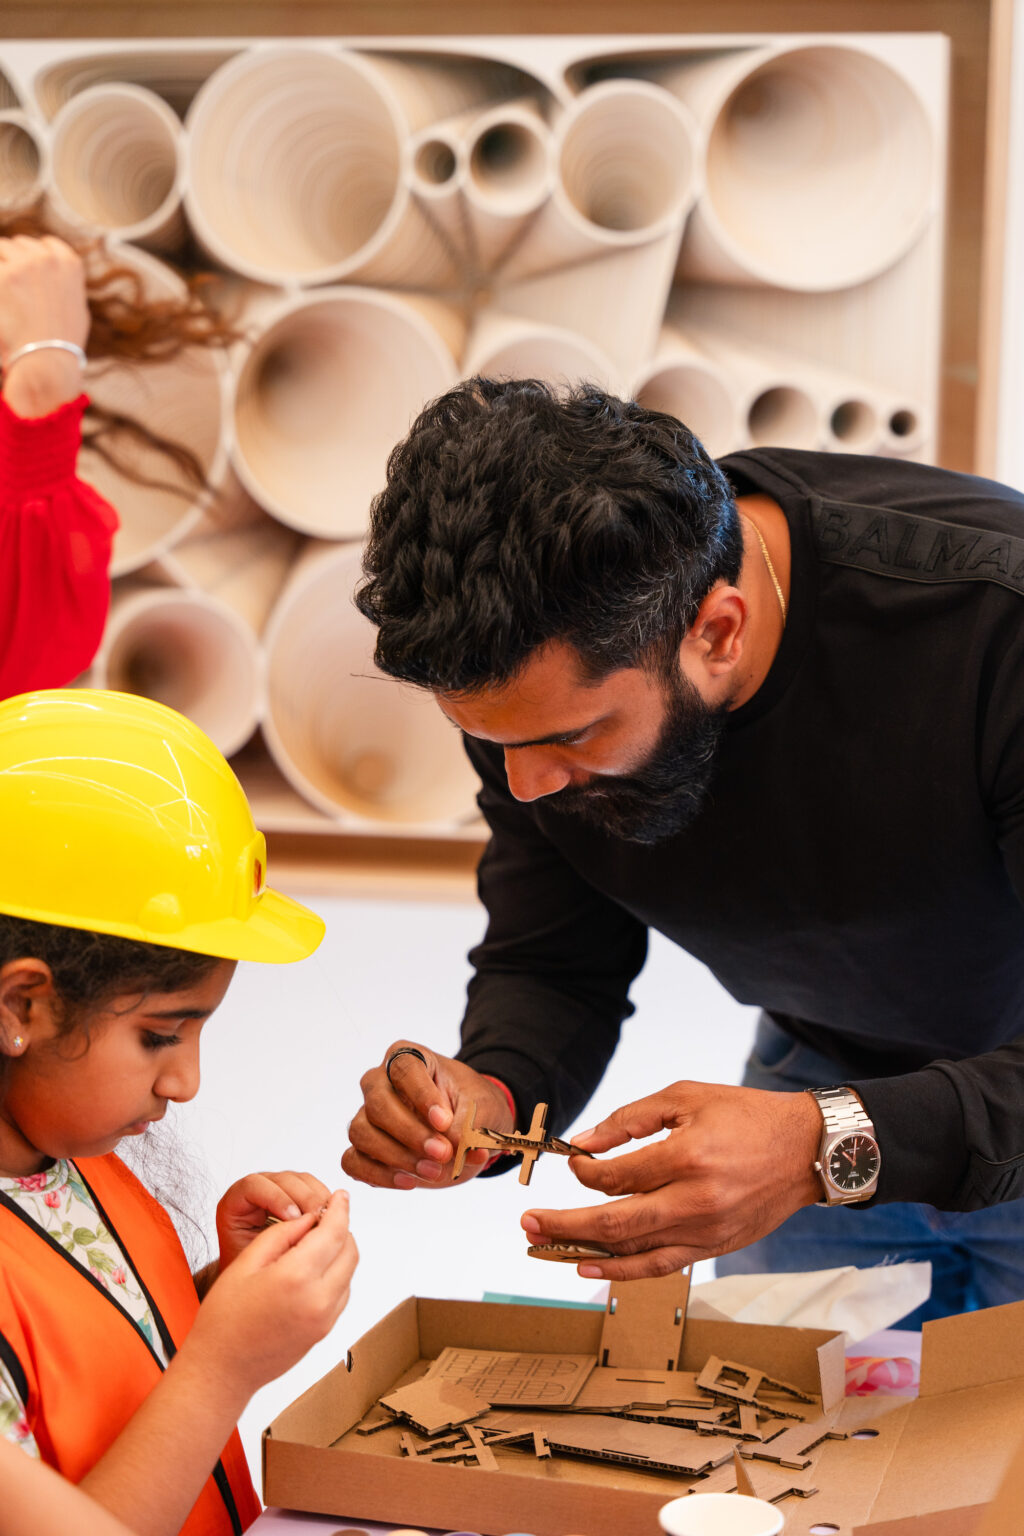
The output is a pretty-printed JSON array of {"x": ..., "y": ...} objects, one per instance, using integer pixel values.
[
  {"x": 433, "y": 1406},
  {"x": 744, "y": 1482},
  {"x": 602, "y": 1438},
  {"x": 958, "y": 1441},
  {"x": 506, "y": 1379},
  {"x": 644, "y": 1322},
  {"x": 624, "y": 1387}
]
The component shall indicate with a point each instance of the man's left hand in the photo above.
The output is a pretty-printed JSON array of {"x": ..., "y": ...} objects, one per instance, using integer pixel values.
[{"x": 735, "y": 1164}]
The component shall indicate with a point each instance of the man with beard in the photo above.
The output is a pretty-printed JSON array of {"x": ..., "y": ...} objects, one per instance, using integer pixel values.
[{"x": 774, "y": 709}]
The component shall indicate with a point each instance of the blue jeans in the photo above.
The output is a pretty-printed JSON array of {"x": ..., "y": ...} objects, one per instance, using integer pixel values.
[{"x": 977, "y": 1257}]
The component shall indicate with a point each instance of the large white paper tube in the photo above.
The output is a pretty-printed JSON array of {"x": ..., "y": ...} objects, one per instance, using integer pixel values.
[
  {"x": 329, "y": 387},
  {"x": 182, "y": 400},
  {"x": 626, "y": 158},
  {"x": 117, "y": 165},
  {"x": 9, "y": 98},
  {"x": 295, "y": 161},
  {"x": 503, "y": 347},
  {"x": 780, "y": 399},
  {"x": 174, "y": 74},
  {"x": 243, "y": 565},
  {"x": 904, "y": 427},
  {"x": 24, "y": 160},
  {"x": 686, "y": 383},
  {"x": 436, "y": 173},
  {"x": 820, "y": 169},
  {"x": 188, "y": 650},
  {"x": 431, "y": 87},
  {"x": 615, "y": 300},
  {"x": 510, "y": 174},
  {"x": 349, "y": 739}
]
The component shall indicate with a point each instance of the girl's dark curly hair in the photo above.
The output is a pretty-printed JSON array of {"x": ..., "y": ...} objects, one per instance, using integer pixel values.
[{"x": 515, "y": 515}]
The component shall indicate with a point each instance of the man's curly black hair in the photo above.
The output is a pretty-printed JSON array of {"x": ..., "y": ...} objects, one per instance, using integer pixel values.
[{"x": 515, "y": 514}]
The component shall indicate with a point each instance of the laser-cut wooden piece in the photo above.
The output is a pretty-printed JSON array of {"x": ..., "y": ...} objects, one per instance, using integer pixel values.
[
  {"x": 435, "y": 1406},
  {"x": 643, "y": 1322},
  {"x": 703, "y": 1419},
  {"x": 525, "y": 1144},
  {"x": 512, "y": 1379},
  {"x": 604, "y": 1438},
  {"x": 773, "y": 1483},
  {"x": 484, "y": 1456},
  {"x": 727, "y": 1378},
  {"x": 795, "y": 1445},
  {"x": 744, "y": 1483},
  {"x": 374, "y": 1422},
  {"x": 568, "y": 1253},
  {"x": 617, "y": 1387}
]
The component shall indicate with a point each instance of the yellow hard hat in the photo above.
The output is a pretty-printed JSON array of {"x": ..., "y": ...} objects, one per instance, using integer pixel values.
[{"x": 119, "y": 815}]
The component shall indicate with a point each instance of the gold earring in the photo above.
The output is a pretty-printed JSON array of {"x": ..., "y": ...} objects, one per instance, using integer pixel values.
[{"x": 18, "y": 1042}]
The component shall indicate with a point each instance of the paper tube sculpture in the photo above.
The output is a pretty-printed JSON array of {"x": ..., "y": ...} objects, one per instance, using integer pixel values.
[{"x": 746, "y": 234}]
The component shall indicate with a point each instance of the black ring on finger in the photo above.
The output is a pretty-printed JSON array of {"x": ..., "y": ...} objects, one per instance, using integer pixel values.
[{"x": 405, "y": 1050}]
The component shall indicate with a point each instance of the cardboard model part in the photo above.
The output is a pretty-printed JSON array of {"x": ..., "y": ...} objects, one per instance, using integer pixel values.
[
  {"x": 628, "y": 1405},
  {"x": 525, "y": 1144}
]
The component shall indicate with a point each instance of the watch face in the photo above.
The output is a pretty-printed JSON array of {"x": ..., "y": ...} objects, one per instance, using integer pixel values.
[{"x": 853, "y": 1162}]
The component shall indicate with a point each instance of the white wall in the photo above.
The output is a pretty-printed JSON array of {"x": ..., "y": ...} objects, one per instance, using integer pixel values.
[{"x": 281, "y": 1066}]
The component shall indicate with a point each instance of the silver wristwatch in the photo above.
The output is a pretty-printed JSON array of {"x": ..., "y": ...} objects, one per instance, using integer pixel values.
[{"x": 849, "y": 1159}]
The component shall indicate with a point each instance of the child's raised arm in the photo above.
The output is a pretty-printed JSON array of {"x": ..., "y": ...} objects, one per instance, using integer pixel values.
[{"x": 279, "y": 1297}]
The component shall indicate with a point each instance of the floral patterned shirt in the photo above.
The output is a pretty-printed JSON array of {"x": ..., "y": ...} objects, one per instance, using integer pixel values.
[{"x": 58, "y": 1201}]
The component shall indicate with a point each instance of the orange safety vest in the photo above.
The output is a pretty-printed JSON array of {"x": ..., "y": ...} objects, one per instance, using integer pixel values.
[{"x": 81, "y": 1365}]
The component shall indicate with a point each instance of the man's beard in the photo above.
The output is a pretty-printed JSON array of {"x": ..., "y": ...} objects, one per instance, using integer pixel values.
[{"x": 668, "y": 790}]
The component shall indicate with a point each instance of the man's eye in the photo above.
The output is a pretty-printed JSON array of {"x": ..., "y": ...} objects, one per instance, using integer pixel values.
[{"x": 155, "y": 1042}]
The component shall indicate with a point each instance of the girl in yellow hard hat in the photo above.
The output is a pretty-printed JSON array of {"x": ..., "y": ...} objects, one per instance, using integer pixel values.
[{"x": 133, "y": 881}]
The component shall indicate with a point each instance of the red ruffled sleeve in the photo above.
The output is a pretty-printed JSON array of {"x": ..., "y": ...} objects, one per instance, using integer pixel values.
[{"x": 56, "y": 534}]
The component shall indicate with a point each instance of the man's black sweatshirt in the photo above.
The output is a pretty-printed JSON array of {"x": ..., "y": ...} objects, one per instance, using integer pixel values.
[{"x": 858, "y": 871}]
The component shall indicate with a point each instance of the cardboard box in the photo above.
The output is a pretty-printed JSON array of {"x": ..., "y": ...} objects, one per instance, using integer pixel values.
[{"x": 314, "y": 1461}]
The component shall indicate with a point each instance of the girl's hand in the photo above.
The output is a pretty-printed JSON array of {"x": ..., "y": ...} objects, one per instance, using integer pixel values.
[
  {"x": 42, "y": 298},
  {"x": 243, "y": 1211},
  {"x": 281, "y": 1296}
]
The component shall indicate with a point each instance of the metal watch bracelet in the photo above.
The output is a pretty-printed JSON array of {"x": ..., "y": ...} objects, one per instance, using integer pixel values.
[{"x": 842, "y": 1110}]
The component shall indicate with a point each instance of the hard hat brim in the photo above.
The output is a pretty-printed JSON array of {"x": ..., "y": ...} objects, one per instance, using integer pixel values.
[{"x": 278, "y": 930}]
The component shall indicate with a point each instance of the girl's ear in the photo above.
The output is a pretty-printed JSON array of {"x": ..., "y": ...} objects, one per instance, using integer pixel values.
[{"x": 27, "y": 994}]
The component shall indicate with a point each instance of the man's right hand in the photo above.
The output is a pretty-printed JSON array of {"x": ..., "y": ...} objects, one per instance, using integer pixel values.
[{"x": 407, "y": 1131}]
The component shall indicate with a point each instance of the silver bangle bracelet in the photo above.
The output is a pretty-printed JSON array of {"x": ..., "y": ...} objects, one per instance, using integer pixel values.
[{"x": 42, "y": 346}]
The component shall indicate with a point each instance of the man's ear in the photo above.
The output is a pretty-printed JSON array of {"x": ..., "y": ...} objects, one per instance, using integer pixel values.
[
  {"x": 27, "y": 994},
  {"x": 714, "y": 641}
]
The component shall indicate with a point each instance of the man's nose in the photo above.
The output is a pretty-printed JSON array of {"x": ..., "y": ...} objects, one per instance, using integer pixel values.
[{"x": 532, "y": 772}]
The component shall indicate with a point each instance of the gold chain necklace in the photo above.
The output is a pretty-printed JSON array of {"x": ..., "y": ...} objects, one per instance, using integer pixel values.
[{"x": 771, "y": 569}]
